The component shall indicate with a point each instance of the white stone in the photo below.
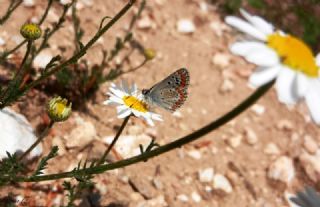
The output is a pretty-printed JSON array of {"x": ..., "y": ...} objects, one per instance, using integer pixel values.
[
  {"x": 196, "y": 197},
  {"x": 42, "y": 59},
  {"x": 285, "y": 124},
  {"x": 220, "y": 182},
  {"x": 128, "y": 145},
  {"x": 251, "y": 136},
  {"x": 28, "y": 3},
  {"x": 218, "y": 28},
  {"x": 195, "y": 154},
  {"x": 258, "y": 109},
  {"x": 235, "y": 141},
  {"x": 206, "y": 175},
  {"x": 221, "y": 59},
  {"x": 310, "y": 144},
  {"x": 271, "y": 149},
  {"x": 2, "y": 42},
  {"x": 145, "y": 22},
  {"x": 16, "y": 134},
  {"x": 185, "y": 26},
  {"x": 282, "y": 169},
  {"x": 226, "y": 86},
  {"x": 64, "y": 2},
  {"x": 81, "y": 135},
  {"x": 182, "y": 198}
]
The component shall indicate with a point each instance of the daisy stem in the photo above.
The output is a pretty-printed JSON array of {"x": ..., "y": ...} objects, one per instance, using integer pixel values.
[
  {"x": 165, "y": 148},
  {"x": 115, "y": 139},
  {"x": 41, "y": 137}
]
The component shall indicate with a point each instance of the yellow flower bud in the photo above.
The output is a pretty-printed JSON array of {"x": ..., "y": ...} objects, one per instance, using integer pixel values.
[
  {"x": 30, "y": 31},
  {"x": 58, "y": 109},
  {"x": 149, "y": 53}
]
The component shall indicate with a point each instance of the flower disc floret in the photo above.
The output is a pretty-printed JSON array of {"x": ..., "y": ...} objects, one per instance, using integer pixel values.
[
  {"x": 59, "y": 109},
  {"x": 30, "y": 31}
]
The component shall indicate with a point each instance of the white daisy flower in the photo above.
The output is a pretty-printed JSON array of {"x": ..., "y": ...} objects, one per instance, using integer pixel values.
[
  {"x": 130, "y": 101},
  {"x": 282, "y": 57}
]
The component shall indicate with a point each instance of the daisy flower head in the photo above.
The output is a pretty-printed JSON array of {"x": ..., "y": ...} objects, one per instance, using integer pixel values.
[
  {"x": 282, "y": 57},
  {"x": 130, "y": 101}
]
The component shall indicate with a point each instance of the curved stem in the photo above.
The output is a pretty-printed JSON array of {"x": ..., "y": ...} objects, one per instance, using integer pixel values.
[
  {"x": 115, "y": 139},
  {"x": 41, "y": 137},
  {"x": 165, "y": 148}
]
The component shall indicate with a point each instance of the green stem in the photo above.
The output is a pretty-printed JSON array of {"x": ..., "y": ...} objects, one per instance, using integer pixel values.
[
  {"x": 115, "y": 139},
  {"x": 11, "y": 8},
  {"x": 165, "y": 148},
  {"x": 41, "y": 137},
  {"x": 45, "y": 14}
]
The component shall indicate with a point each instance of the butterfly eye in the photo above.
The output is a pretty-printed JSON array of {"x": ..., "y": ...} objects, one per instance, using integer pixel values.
[{"x": 145, "y": 91}]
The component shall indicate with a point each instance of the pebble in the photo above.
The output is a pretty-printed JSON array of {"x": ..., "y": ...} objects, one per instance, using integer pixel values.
[
  {"x": 81, "y": 135},
  {"x": 251, "y": 136},
  {"x": 271, "y": 149},
  {"x": 28, "y": 3},
  {"x": 282, "y": 169},
  {"x": 16, "y": 134},
  {"x": 2, "y": 41},
  {"x": 185, "y": 26},
  {"x": 196, "y": 197},
  {"x": 285, "y": 124},
  {"x": 183, "y": 198},
  {"x": 235, "y": 141},
  {"x": 157, "y": 183},
  {"x": 218, "y": 27},
  {"x": 195, "y": 154},
  {"x": 221, "y": 59},
  {"x": 145, "y": 22},
  {"x": 220, "y": 182},
  {"x": 64, "y": 2},
  {"x": 258, "y": 109},
  {"x": 206, "y": 175},
  {"x": 42, "y": 59},
  {"x": 310, "y": 144},
  {"x": 226, "y": 86}
]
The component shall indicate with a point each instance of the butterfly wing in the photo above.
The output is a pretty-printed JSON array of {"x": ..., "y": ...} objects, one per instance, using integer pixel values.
[{"x": 171, "y": 92}]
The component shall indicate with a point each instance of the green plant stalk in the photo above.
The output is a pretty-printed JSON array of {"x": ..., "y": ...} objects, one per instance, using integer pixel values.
[
  {"x": 115, "y": 139},
  {"x": 165, "y": 148},
  {"x": 77, "y": 56},
  {"x": 10, "y": 9},
  {"x": 45, "y": 14},
  {"x": 41, "y": 137}
]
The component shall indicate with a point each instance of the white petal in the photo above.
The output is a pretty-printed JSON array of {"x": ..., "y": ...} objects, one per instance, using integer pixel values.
[
  {"x": 125, "y": 86},
  {"x": 124, "y": 113},
  {"x": 261, "y": 24},
  {"x": 245, "y": 27},
  {"x": 156, "y": 117},
  {"x": 285, "y": 86},
  {"x": 149, "y": 121},
  {"x": 264, "y": 75},
  {"x": 313, "y": 101},
  {"x": 137, "y": 113},
  {"x": 302, "y": 83},
  {"x": 121, "y": 108},
  {"x": 117, "y": 92},
  {"x": 318, "y": 59},
  {"x": 116, "y": 99},
  {"x": 110, "y": 102}
]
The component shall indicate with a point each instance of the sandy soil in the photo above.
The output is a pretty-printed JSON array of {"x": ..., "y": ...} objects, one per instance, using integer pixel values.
[{"x": 216, "y": 87}]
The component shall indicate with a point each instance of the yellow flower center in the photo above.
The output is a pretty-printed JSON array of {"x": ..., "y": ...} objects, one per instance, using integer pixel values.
[
  {"x": 135, "y": 103},
  {"x": 295, "y": 53},
  {"x": 60, "y": 107}
]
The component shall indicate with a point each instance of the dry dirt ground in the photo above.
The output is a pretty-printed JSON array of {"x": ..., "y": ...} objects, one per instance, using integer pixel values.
[{"x": 251, "y": 142}]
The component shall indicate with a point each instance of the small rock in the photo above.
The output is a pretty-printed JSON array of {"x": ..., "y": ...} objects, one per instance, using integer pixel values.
[
  {"x": 206, "y": 175},
  {"x": 285, "y": 124},
  {"x": 42, "y": 59},
  {"x": 196, "y": 197},
  {"x": 16, "y": 134},
  {"x": 81, "y": 135},
  {"x": 28, "y": 3},
  {"x": 310, "y": 144},
  {"x": 226, "y": 86},
  {"x": 195, "y": 154},
  {"x": 102, "y": 187},
  {"x": 220, "y": 182},
  {"x": 177, "y": 114},
  {"x": 311, "y": 165},
  {"x": 218, "y": 28},
  {"x": 271, "y": 149},
  {"x": 185, "y": 26},
  {"x": 2, "y": 42},
  {"x": 64, "y": 2},
  {"x": 233, "y": 177},
  {"x": 235, "y": 141},
  {"x": 282, "y": 170},
  {"x": 157, "y": 183},
  {"x": 258, "y": 109},
  {"x": 221, "y": 59},
  {"x": 183, "y": 198},
  {"x": 154, "y": 202},
  {"x": 145, "y": 22},
  {"x": 251, "y": 136}
]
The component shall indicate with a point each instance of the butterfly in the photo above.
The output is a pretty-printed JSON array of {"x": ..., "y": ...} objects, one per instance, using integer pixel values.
[{"x": 171, "y": 92}]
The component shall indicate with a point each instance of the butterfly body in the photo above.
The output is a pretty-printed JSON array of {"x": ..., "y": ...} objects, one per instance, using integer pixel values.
[{"x": 171, "y": 92}]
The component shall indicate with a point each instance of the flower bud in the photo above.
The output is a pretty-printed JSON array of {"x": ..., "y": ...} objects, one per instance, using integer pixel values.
[
  {"x": 149, "y": 53},
  {"x": 30, "y": 31},
  {"x": 58, "y": 109}
]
